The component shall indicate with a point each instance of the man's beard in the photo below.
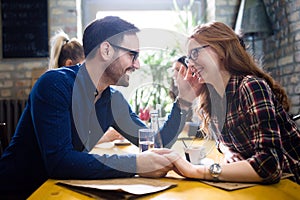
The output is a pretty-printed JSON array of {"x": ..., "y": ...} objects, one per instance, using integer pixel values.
[
  {"x": 123, "y": 81},
  {"x": 115, "y": 76}
]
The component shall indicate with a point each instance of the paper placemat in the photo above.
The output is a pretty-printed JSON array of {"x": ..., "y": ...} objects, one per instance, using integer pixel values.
[
  {"x": 119, "y": 186},
  {"x": 230, "y": 186}
]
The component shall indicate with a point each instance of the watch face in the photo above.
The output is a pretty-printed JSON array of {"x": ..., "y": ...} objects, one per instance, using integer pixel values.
[{"x": 215, "y": 170}]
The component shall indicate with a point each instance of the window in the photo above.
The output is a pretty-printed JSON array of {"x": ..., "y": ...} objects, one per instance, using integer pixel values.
[{"x": 163, "y": 19}]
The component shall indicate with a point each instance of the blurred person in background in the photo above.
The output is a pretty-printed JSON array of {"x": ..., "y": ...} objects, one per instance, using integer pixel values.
[{"x": 64, "y": 51}]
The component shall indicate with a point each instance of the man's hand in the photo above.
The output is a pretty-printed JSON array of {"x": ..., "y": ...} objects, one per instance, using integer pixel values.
[
  {"x": 153, "y": 165},
  {"x": 110, "y": 135},
  {"x": 181, "y": 166}
]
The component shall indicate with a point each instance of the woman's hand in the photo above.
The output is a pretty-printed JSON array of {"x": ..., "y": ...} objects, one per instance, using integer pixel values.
[
  {"x": 196, "y": 83},
  {"x": 181, "y": 166},
  {"x": 188, "y": 84},
  {"x": 150, "y": 164}
]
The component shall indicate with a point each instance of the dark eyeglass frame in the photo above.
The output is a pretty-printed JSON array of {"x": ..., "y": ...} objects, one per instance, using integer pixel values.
[
  {"x": 134, "y": 53},
  {"x": 195, "y": 52}
]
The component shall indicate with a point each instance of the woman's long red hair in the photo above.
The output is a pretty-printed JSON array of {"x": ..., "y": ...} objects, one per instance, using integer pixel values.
[{"x": 236, "y": 61}]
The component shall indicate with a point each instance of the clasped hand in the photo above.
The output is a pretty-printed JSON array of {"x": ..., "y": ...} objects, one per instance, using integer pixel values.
[
  {"x": 151, "y": 164},
  {"x": 158, "y": 162}
]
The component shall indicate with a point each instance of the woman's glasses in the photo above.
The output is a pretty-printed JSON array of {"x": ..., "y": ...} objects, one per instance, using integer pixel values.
[
  {"x": 195, "y": 52},
  {"x": 135, "y": 54}
]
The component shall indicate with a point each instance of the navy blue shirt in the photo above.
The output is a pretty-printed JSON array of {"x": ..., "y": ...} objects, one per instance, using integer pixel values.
[{"x": 61, "y": 124}]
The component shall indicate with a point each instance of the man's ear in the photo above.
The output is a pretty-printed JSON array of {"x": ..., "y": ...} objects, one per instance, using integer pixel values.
[{"x": 106, "y": 51}]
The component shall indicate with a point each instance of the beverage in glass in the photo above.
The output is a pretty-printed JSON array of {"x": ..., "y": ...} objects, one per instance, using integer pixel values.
[{"x": 146, "y": 139}]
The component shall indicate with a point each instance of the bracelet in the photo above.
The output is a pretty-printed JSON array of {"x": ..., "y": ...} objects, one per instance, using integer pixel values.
[
  {"x": 183, "y": 102},
  {"x": 204, "y": 172}
]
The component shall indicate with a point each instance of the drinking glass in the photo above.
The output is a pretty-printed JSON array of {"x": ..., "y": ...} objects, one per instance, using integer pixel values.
[{"x": 146, "y": 139}]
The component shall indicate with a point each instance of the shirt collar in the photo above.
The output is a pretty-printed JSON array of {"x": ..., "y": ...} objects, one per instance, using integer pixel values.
[
  {"x": 84, "y": 79},
  {"x": 232, "y": 86},
  {"x": 88, "y": 85}
]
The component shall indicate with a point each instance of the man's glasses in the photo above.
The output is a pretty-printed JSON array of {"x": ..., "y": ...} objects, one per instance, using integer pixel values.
[
  {"x": 135, "y": 54},
  {"x": 195, "y": 52}
]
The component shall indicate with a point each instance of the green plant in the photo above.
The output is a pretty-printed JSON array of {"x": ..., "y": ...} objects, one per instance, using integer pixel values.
[
  {"x": 159, "y": 61},
  {"x": 150, "y": 94},
  {"x": 156, "y": 92}
]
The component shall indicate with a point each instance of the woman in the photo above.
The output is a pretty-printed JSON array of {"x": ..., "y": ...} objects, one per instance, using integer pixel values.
[
  {"x": 243, "y": 108},
  {"x": 65, "y": 52}
]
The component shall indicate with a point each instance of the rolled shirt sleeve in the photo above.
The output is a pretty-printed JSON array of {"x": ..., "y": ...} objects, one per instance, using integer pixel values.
[
  {"x": 251, "y": 127},
  {"x": 258, "y": 103}
]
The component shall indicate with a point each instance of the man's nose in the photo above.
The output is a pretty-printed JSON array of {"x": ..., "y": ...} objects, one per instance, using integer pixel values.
[{"x": 136, "y": 64}]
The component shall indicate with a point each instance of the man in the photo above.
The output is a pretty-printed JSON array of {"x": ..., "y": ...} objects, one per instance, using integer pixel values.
[{"x": 70, "y": 108}]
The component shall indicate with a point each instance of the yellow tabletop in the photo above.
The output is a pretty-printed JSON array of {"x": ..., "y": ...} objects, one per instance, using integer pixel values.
[{"x": 186, "y": 188}]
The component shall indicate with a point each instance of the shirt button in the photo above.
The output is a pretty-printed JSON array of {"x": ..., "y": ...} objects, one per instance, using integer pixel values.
[{"x": 90, "y": 132}]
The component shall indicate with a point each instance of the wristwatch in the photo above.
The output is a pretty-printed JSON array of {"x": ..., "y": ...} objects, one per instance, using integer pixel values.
[{"x": 215, "y": 171}]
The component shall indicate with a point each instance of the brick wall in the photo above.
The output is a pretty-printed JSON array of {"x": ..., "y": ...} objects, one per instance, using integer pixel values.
[
  {"x": 15, "y": 74},
  {"x": 282, "y": 50},
  {"x": 223, "y": 10}
]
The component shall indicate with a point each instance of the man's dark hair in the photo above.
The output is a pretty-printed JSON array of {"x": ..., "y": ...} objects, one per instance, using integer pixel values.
[{"x": 104, "y": 29}]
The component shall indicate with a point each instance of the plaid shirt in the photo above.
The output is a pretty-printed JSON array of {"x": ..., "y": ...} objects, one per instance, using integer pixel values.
[{"x": 260, "y": 130}]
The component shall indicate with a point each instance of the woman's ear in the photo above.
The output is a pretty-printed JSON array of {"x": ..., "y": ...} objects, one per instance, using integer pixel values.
[
  {"x": 68, "y": 62},
  {"x": 106, "y": 51}
]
